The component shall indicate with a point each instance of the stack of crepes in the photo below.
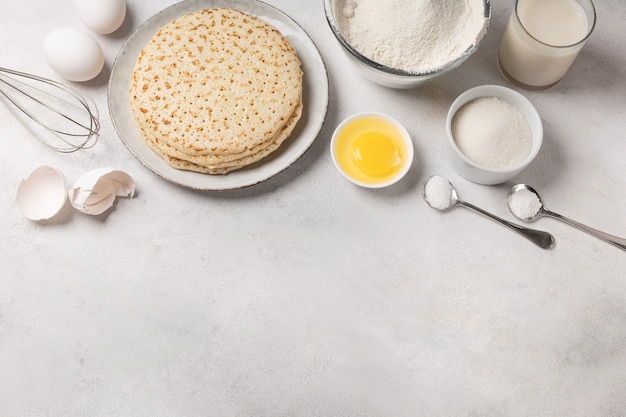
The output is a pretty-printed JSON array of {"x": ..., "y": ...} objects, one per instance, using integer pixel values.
[{"x": 216, "y": 90}]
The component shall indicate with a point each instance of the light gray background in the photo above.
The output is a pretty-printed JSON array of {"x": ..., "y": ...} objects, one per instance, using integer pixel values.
[{"x": 308, "y": 296}]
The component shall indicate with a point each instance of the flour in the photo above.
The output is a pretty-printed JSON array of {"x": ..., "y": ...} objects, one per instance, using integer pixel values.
[
  {"x": 492, "y": 133},
  {"x": 416, "y": 36}
]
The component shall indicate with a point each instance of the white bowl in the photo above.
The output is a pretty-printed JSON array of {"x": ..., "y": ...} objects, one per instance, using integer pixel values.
[
  {"x": 470, "y": 169},
  {"x": 406, "y": 154},
  {"x": 393, "y": 77}
]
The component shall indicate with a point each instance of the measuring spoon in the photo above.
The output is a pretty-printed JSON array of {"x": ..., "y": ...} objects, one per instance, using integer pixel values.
[
  {"x": 440, "y": 194},
  {"x": 525, "y": 204}
]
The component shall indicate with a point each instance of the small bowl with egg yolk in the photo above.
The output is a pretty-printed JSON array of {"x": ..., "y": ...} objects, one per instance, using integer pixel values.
[{"x": 372, "y": 150}]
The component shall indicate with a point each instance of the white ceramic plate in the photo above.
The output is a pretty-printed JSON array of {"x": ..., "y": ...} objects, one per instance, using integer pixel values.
[{"x": 314, "y": 96}]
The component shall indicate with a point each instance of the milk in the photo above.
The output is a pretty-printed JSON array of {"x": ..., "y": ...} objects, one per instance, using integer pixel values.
[{"x": 542, "y": 40}]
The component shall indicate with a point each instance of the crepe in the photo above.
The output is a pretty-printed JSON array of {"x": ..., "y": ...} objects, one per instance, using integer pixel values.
[
  {"x": 217, "y": 89},
  {"x": 210, "y": 160},
  {"x": 181, "y": 161}
]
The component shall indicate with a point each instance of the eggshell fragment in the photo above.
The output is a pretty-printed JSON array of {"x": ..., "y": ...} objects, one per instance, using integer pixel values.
[
  {"x": 101, "y": 16},
  {"x": 95, "y": 192},
  {"x": 73, "y": 54},
  {"x": 42, "y": 194}
]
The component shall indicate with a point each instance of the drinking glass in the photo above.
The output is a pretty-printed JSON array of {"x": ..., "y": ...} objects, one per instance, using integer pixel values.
[{"x": 542, "y": 40}]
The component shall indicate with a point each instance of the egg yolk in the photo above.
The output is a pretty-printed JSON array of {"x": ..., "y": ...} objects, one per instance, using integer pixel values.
[
  {"x": 370, "y": 150},
  {"x": 375, "y": 154}
]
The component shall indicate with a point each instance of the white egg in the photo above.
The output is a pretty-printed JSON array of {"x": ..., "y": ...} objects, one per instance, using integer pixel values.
[
  {"x": 101, "y": 16},
  {"x": 42, "y": 194},
  {"x": 73, "y": 54}
]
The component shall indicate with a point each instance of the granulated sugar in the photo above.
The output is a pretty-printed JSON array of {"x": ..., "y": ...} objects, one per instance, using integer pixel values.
[
  {"x": 416, "y": 36},
  {"x": 438, "y": 192},
  {"x": 492, "y": 133},
  {"x": 524, "y": 204}
]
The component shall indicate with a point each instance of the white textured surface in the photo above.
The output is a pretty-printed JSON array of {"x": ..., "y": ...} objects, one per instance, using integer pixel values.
[{"x": 308, "y": 296}]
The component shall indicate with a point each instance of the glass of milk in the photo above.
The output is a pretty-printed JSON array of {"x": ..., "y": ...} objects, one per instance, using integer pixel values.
[{"x": 542, "y": 39}]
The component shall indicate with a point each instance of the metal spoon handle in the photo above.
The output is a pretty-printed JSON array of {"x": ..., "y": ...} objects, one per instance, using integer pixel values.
[
  {"x": 614, "y": 240},
  {"x": 542, "y": 239}
]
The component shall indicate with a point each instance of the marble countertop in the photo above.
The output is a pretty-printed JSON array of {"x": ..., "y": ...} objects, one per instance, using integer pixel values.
[{"x": 305, "y": 295}]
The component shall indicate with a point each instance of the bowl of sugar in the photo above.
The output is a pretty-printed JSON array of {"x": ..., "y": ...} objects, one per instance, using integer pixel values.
[
  {"x": 493, "y": 132},
  {"x": 407, "y": 44}
]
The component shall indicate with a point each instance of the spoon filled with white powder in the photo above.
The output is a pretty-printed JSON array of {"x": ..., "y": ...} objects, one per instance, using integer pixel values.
[
  {"x": 440, "y": 194},
  {"x": 525, "y": 204}
]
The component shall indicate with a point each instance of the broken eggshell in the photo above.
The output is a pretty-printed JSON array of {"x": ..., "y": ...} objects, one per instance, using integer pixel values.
[
  {"x": 95, "y": 192},
  {"x": 42, "y": 194}
]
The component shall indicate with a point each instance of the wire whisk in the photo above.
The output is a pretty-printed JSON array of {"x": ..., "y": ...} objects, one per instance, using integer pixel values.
[{"x": 58, "y": 115}]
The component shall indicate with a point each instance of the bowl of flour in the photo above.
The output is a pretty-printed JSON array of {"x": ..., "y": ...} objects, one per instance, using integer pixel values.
[{"x": 402, "y": 44}]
